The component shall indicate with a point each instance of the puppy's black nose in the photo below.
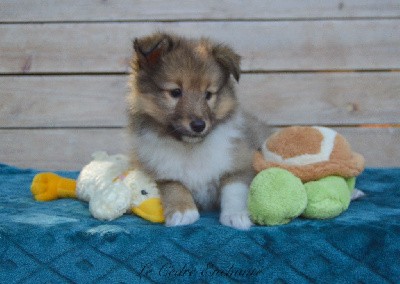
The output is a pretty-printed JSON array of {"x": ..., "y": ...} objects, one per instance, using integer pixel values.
[{"x": 198, "y": 125}]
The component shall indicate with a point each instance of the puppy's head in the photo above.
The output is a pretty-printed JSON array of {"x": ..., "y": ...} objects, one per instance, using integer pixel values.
[{"x": 184, "y": 85}]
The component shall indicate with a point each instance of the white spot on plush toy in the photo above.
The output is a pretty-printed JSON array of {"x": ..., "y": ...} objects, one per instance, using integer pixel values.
[{"x": 99, "y": 173}]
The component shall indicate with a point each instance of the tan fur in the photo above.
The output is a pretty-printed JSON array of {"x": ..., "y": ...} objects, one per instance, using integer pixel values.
[
  {"x": 243, "y": 158},
  {"x": 193, "y": 66},
  {"x": 342, "y": 160},
  {"x": 175, "y": 198},
  {"x": 286, "y": 143},
  {"x": 201, "y": 70},
  {"x": 341, "y": 149}
]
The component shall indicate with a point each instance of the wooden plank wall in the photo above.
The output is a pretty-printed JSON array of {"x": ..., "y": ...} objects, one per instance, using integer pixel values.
[{"x": 64, "y": 66}]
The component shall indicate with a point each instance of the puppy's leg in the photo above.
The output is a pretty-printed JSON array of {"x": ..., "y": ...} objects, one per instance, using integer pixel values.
[
  {"x": 234, "y": 211},
  {"x": 178, "y": 204}
]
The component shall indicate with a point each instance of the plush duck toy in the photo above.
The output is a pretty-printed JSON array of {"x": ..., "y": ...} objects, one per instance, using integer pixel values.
[
  {"x": 307, "y": 171},
  {"x": 108, "y": 185}
]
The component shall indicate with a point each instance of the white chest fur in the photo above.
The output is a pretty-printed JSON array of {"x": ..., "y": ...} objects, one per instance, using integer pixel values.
[{"x": 197, "y": 166}]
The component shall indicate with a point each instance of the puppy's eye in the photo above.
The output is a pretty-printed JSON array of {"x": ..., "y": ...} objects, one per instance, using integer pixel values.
[
  {"x": 209, "y": 95},
  {"x": 176, "y": 93}
]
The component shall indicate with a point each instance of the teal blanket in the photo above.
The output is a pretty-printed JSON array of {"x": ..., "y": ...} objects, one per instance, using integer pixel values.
[{"x": 59, "y": 242}]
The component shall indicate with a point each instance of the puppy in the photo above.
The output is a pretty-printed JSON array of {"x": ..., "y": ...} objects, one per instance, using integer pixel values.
[{"x": 187, "y": 128}]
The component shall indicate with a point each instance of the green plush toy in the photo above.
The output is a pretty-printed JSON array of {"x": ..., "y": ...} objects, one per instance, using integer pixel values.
[
  {"x": 328, "y": 197},
  {"x": 276, "y": 197},
  {"x": 307, "y": 171}
]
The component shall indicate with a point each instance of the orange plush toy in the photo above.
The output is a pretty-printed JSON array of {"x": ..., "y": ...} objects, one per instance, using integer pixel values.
[{"x": 310, "y": 153}]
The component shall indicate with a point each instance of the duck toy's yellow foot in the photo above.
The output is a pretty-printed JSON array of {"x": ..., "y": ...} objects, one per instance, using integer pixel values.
[{"x": 50, "y": 186}]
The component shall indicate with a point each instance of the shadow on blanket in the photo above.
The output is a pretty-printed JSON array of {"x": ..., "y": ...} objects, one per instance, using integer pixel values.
[{"x": 61, "y": 242}]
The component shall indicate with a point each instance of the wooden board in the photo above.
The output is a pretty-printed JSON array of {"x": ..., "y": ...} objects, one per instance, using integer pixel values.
[
  {"x": 63, "y": 69},
  {"x": 63, "y": 101},
  {"x": 323, "y": 98},
  {"x": 380, "y": 146},
  {"x": 54, "y": 149},
  {"x": 279, "y": 99},
  {"x": 70, "y": 149},
  {"x": 126, "y": 10},
  {"x": 265, "y": 46}
]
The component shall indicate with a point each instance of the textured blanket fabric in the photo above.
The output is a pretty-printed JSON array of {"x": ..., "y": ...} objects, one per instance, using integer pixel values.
[{"x": 59, "y": 242}]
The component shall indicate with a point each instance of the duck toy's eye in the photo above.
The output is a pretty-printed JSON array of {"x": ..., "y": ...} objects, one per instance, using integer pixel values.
[{"x": 144, "y": 192}]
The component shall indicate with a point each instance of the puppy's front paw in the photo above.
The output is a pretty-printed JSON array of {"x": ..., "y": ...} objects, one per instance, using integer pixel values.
[
  {"x": 182, "y": 218},
  {"x": 239, "y": 220}
]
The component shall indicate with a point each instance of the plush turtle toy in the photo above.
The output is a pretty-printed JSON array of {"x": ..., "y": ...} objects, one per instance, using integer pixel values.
[{"x": 307, "y": 171}]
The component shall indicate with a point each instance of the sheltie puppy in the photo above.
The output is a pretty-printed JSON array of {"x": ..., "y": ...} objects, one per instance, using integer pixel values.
[{"x": 188, "y": 130}]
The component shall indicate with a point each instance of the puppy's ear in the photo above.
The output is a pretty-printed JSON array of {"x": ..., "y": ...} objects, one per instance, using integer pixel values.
[
  {"x": 228, "y": 59},
  {"x": 150, "y": 49}
]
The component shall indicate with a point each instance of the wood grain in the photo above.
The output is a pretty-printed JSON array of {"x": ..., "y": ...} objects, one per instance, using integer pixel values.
[
  {"x": 380, "y": 146},
  {"x": 323, "y": 98},
  {"x": 279, "y": 99},
  {"x": 53, "y": 149},
  {"x": 70, "y": 149},
  {"x": 299, "y": 57},
  {"x": 265, "y": 46},
  {"x": 63, "y": 101},
  {"x": 126, "y": 10}
]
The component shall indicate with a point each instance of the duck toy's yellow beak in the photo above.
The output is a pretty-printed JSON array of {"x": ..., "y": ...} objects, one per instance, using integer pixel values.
[{"x": 151, "y": 210}]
